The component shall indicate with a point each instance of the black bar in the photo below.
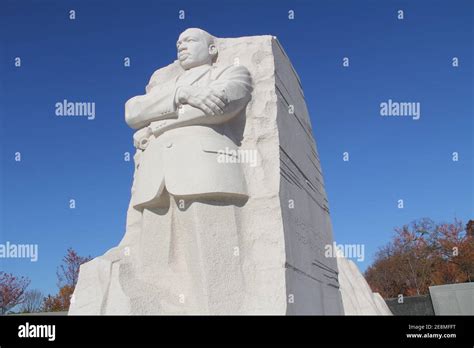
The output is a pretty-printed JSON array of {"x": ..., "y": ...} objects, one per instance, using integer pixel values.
[{"x": 291, "y": 330}]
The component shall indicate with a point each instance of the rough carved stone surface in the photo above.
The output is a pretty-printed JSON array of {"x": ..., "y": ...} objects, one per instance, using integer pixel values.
[
  {"x": 246, "y": 238},
  {"x": 357, "y": 297}
]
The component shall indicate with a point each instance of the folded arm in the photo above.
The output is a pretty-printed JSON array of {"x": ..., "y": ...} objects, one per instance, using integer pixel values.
[
  {"x": 158, "y": 104},
  {"x": 217, "y": 103}
]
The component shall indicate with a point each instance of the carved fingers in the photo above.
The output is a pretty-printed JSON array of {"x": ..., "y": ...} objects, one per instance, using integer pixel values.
[
  {"x": 210, "y": 106},
  {"x": 218, "y": 101},
  {"x": 208, "y": 100}
]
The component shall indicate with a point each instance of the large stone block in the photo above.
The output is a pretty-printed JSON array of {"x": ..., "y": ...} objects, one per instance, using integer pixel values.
[{"x": 277, "y": 234}]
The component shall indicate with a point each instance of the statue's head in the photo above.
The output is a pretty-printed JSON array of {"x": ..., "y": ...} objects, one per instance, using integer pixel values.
[{"x": 195, "y": 47}]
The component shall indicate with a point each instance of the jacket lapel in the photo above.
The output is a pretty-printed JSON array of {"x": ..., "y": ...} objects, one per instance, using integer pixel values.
[{"x": 191, "y": 76}]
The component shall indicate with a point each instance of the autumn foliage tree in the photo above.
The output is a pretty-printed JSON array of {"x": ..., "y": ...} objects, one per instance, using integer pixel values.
[
  {"x": 59, "y": 302},
  {"x": 33, "y": 301},
  {"x": 420, "y": 255},
  {"x": 12, "y": 291},
  {"x": 68, "y": 274}
]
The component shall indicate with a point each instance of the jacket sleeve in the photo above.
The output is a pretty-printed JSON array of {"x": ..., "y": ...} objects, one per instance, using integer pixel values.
[{"x": 157, "y": 104}]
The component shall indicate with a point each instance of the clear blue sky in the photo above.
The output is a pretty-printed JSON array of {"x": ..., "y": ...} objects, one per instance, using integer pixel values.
[{"x": 82, "y": 60}]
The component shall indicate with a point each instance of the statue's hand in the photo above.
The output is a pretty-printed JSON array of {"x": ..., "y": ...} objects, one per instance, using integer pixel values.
[
  {"x": 210, "y": 101},
  {"x": 141, "y": 138}
]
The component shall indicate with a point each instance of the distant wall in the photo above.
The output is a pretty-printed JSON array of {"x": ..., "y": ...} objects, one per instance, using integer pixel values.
[
  {"x": 453, "y": 299},
  {"x": 413, "y": 305}
]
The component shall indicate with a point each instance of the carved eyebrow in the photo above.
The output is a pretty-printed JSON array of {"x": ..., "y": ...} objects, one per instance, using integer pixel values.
[
  {"x": 187, "y": 38},
  {"x": 190, "y": 37}
]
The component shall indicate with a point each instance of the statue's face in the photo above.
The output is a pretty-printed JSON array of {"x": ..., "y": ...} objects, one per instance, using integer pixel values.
[{"x": 193, "y": 49}]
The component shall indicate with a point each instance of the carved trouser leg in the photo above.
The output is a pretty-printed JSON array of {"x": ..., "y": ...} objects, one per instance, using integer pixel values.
[
  {"x": 214, "y": 256},
  {"x": 159, "y": 264},
  {"x": 190, "y": 253}
]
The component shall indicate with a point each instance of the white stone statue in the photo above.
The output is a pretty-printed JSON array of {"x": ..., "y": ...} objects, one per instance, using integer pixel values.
[
  {"x": 208, "y": 231},
  {"x": 186, "y": 196},
  {"x": 178, "y": 253},
  {"x": 182, "y": 121}
]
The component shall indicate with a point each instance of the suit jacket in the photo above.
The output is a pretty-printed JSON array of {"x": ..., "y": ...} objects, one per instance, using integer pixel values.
[{"x": 185, "y": 153}]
